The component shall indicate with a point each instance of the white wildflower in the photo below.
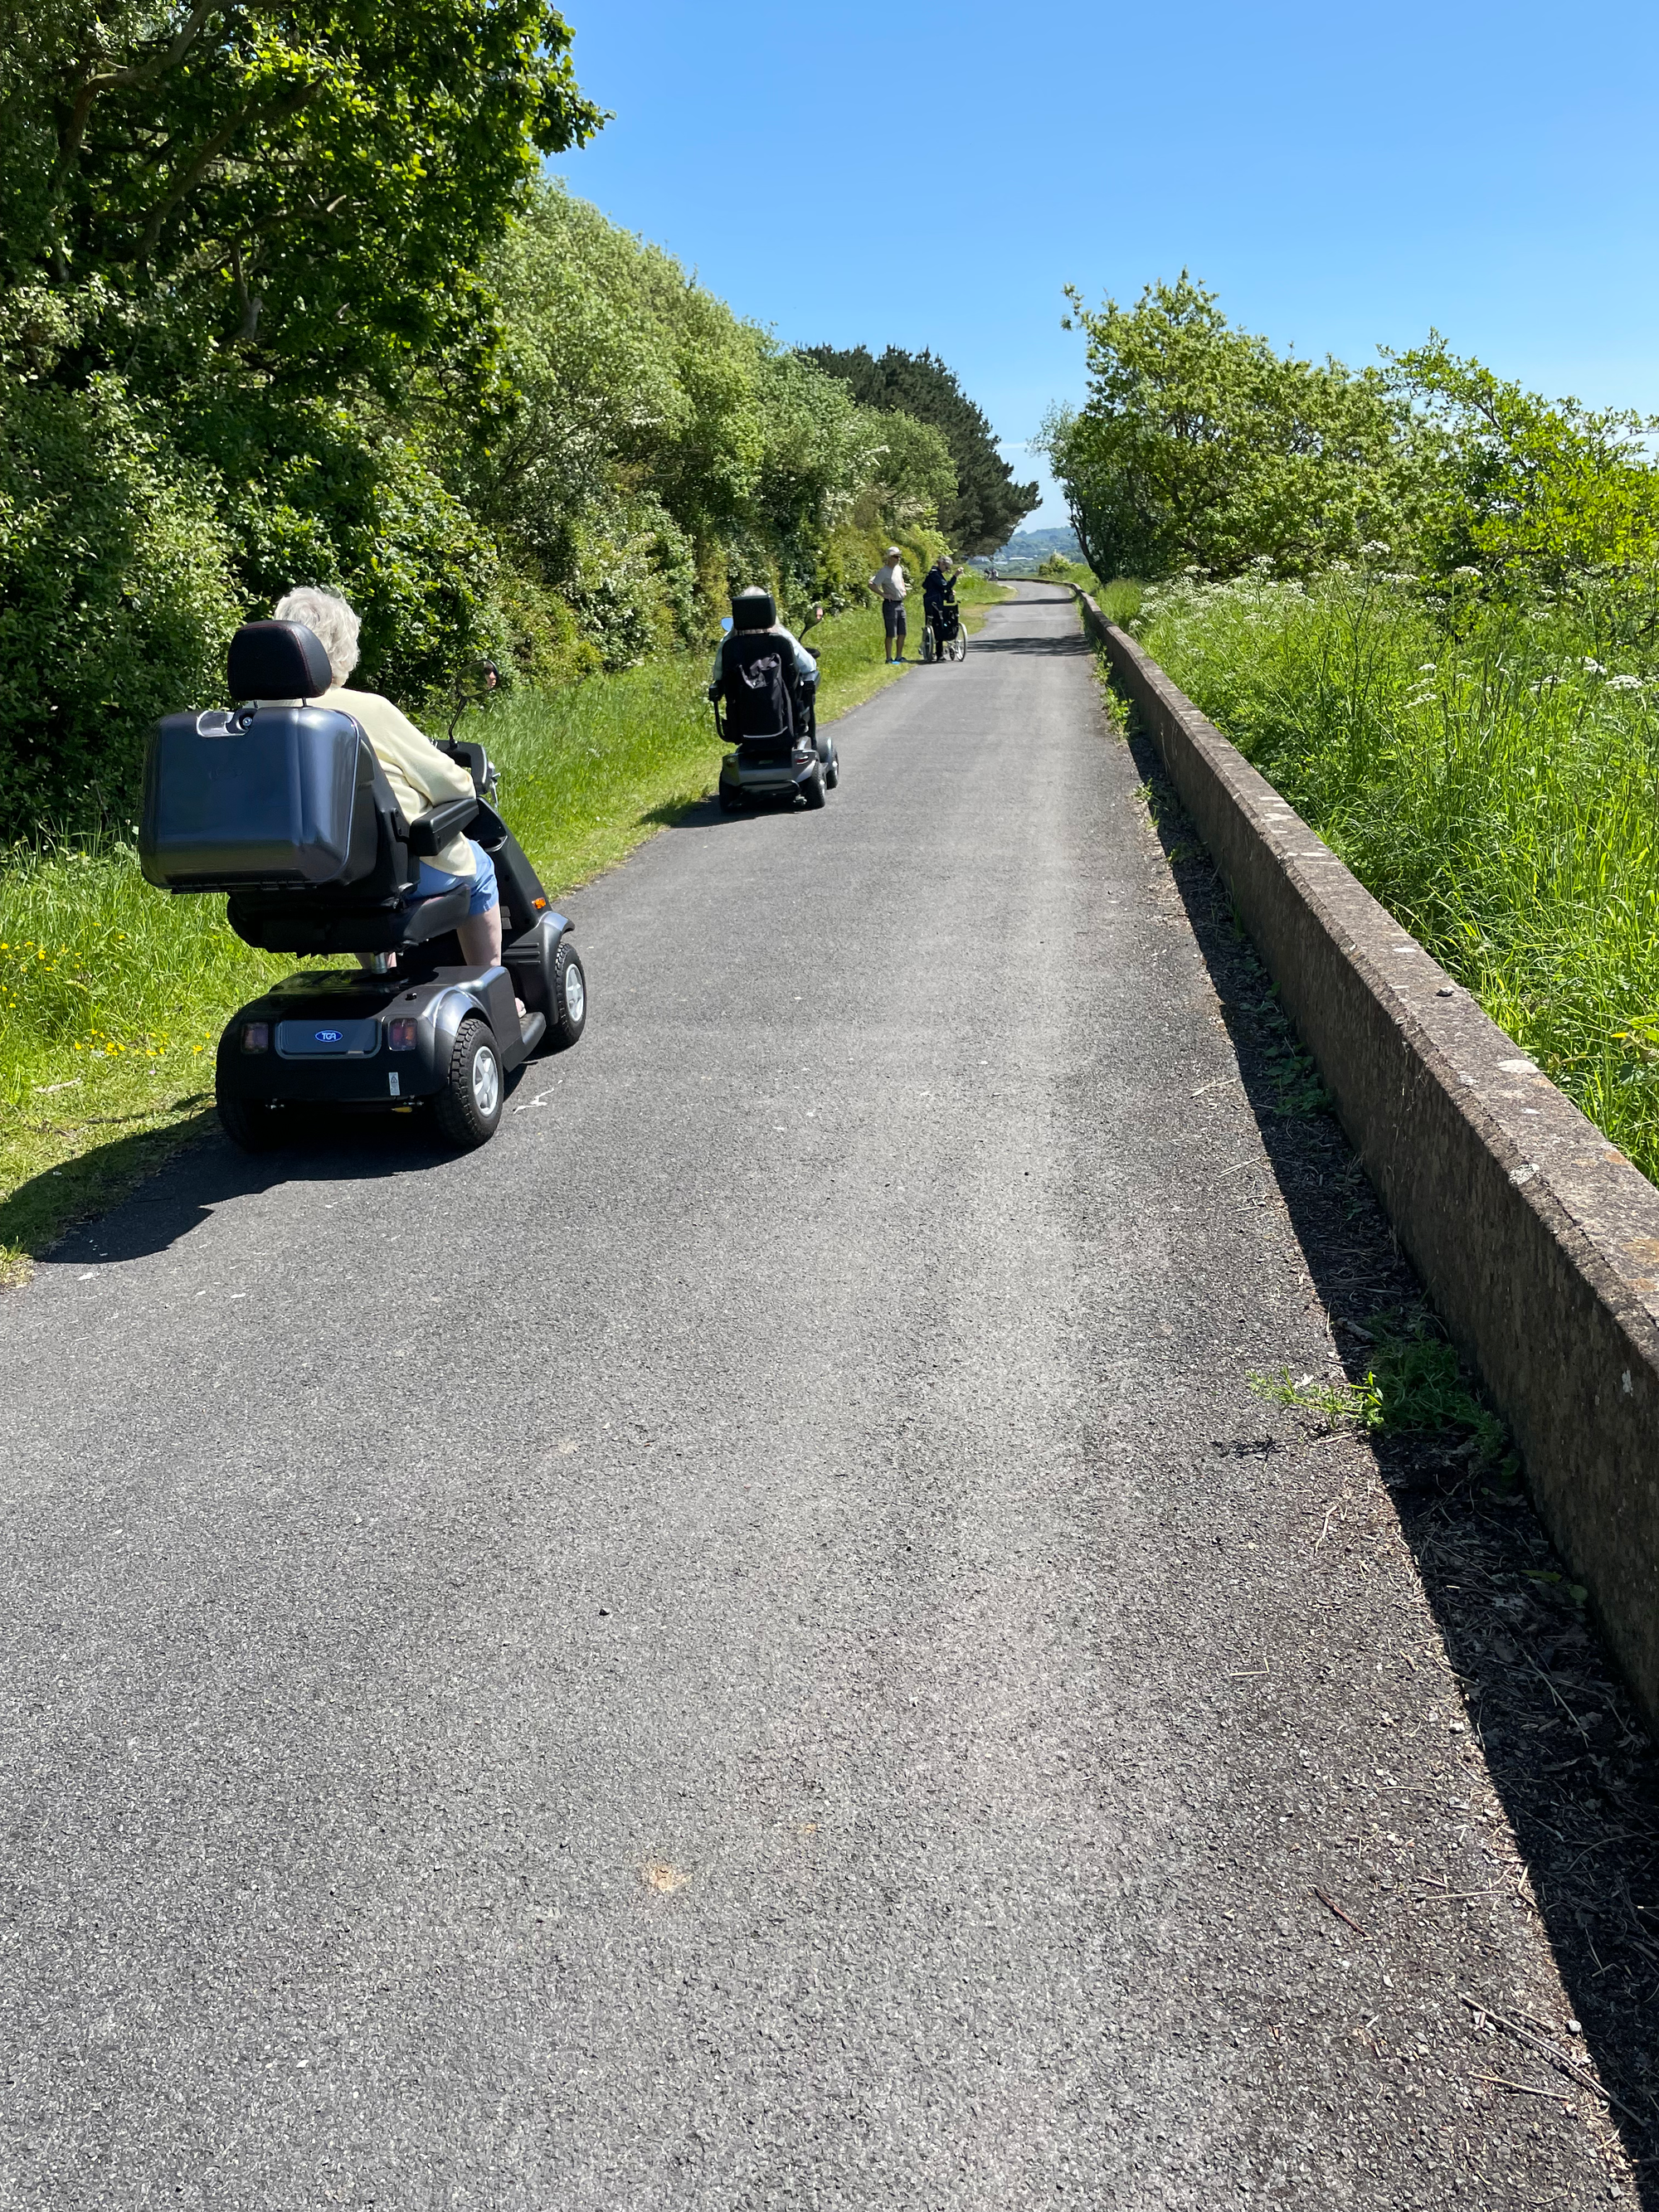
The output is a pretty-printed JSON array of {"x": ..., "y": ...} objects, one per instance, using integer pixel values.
[
  {"x": 1624, "y": 683},
  {"x": 1426, "y": 667},
  {"x": 1593, "y": 667}
]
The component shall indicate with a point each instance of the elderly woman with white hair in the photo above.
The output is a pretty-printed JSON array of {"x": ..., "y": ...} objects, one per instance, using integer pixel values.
[{"x": 420, "y": 775}]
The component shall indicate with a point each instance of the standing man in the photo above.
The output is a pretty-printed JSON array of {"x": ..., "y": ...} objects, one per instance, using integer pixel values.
[{"x": 889, "y": 582}]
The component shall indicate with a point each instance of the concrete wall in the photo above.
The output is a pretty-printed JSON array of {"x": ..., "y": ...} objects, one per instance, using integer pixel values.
[{"x": 1537, "y": 1239}]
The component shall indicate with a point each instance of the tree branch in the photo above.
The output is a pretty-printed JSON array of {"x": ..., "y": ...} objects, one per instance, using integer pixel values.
[
  {"x": 142, "y": 72},
  {"x": 209, "y": 154},
  {"x": 69, "y": 143},
  {"x": 193, "y": 177}
]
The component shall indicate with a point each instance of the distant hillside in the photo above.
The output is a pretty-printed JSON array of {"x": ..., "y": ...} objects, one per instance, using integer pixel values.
[{"x": 1026, "y": 548}]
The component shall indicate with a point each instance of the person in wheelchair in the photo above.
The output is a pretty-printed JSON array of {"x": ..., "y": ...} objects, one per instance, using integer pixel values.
[
  {"x": 419, "y": 775},
  {"x": 754, "y": 609},
  {"x": 939, "y": 603}
]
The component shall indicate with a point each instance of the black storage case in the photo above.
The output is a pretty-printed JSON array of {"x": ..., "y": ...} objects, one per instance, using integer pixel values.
[{"x": 266, "y": 797}]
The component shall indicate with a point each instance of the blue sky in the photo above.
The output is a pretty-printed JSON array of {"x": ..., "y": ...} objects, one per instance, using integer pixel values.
[{"x": 1344, "y": 177}]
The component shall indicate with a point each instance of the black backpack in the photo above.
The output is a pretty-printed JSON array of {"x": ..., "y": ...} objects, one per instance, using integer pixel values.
[{"x": 755, "y": 669}]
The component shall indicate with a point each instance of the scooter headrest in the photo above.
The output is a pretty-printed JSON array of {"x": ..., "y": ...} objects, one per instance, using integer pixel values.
[
  {"x": 753, "y": 609},
  {"x": 278, "y": 661}
]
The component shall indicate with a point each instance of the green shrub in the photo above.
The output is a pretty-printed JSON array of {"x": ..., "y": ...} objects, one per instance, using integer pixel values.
[{"x": 117, "y": 597}]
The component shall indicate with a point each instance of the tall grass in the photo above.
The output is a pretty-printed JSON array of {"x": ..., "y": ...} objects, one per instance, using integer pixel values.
[
  {"x": 1485, "y": 777},
  {"x": 112, "y": 995}
]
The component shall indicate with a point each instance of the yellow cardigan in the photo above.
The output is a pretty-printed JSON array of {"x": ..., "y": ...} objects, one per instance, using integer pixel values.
[{"x": 419, "y": 773}]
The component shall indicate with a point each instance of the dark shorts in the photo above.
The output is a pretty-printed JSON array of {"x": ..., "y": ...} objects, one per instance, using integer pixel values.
[{"x": 892, "y": 614}]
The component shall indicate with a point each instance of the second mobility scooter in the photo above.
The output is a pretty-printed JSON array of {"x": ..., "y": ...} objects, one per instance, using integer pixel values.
[
  {"x": 770, "y": 717},
  {"x": 285, "y": 807}
]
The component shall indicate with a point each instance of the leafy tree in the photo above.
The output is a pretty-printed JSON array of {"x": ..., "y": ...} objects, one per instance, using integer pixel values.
[
  {"x": 1200, "y": 446},
  {"x": 911, "y": 476},
  {"x": 988, "y": 506},
  {"x": 662, "y": 447},
  {"x": 232, "y": 233},
  {"x": 308, "y": 184},
  {"x": 1536, "y": 496}
]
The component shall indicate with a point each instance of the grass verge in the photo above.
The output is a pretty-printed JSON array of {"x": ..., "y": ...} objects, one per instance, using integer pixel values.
[
  {"x": 113, "y": 995},
  {"x": 1485, "y": 775}
]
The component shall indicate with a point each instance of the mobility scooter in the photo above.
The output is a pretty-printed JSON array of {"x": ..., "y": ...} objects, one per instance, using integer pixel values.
[
  {"x": 770, "y": 721},
  {"x": 285, "y": 807}
]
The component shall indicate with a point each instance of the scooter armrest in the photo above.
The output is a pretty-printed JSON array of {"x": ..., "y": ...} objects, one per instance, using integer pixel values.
[{"x": 430, "y": 832}]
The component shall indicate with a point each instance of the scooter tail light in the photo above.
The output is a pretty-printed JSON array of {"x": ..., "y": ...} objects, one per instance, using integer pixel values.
[
  {"x": 400, "y": 1037},
  {"x": 256, "y": 1036}
]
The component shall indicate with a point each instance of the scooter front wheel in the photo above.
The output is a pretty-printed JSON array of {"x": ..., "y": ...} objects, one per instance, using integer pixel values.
[
  {"x": 468, "y": 1109},
  {"x": 568, "y": 1017}
]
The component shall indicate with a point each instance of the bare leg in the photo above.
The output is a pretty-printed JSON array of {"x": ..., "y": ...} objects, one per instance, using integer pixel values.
[
  {"x": 480, "y": 939},
  {"x": 480, "y": 936}
]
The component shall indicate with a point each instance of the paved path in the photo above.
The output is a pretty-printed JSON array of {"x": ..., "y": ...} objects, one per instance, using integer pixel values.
[{"x": 658, "y": 1667}]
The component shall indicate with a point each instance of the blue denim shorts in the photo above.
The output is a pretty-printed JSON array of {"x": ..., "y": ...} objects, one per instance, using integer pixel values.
[{"x": 435, "y": 881}]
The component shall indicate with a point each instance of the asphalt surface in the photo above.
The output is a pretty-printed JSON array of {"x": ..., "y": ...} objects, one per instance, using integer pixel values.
[{"x": 749, "y": 1644}]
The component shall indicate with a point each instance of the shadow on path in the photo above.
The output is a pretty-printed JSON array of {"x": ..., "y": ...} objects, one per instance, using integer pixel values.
[
  {"x": 1067, "y": 642},
  {"x": 1564, "y": 1752},
  {"x": 184, "y": 1193}
]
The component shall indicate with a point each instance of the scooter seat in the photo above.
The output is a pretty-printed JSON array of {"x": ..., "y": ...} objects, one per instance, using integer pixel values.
[{"x": 291, "y": 921}]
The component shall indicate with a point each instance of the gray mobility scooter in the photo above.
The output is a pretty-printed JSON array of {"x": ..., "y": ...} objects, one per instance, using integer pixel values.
[
  {"x": 285, "y": 807},
  {"x": 770, "y": 718}
]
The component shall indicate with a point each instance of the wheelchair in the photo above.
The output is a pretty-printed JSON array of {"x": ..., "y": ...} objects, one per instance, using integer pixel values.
[{"x": 944, "y": 635}]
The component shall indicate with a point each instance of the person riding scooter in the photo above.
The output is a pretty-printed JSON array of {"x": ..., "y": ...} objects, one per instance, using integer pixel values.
[
  {"x": 753, "y": 609},
  {"x": 420, "y": 775},
  {"x": 766, "y": 682}
]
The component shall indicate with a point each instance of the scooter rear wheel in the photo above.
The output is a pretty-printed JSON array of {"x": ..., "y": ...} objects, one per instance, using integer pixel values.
[
  {"x": 251, "y": 1126},
  {"x": 468, "y": 1109}
]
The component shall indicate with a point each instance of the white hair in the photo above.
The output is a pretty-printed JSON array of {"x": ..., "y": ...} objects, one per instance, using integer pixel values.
[{"x": 330, "y": 619}]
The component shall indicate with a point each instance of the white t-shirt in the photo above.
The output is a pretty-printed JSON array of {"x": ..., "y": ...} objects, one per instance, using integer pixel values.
[{"x": 889, "y": 581}]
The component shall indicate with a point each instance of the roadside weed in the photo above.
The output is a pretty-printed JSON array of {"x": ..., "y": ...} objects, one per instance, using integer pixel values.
[
  {"x": 1413, "y": 1386},
  {"x": 1338, "y": 1405}
]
